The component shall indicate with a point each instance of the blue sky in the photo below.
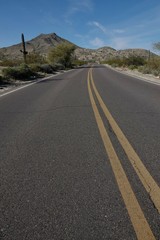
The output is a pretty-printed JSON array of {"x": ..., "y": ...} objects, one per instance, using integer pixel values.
[{"x": 88, "y": 23}]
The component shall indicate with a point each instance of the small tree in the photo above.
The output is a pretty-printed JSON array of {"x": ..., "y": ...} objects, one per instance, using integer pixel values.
[
  {"x": 156, "y": 46},
  {"x": 62, "y": 54},
  {"x": 35, "y": 58}
]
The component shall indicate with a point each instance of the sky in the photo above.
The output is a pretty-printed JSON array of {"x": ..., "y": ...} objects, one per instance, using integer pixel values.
[{"x": 91, "y": 24}]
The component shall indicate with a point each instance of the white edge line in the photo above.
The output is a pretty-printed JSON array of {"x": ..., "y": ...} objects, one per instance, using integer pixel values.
[
  {"x": 29, "y": 84},
  {"x": 136, "y": 77}
]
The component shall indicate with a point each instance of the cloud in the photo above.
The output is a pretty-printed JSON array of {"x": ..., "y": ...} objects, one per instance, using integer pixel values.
[
  {"x": 97, "y": 42},
  {"x": 138, "y": 31},
  {"x": 79, "y": 6},
  {"x": 119, "y": 31},
  {"x": 99, "y": 26},
  {"x": 122, "y": 42}
]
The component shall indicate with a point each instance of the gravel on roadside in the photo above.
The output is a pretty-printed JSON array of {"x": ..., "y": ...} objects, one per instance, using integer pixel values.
[{"x": 135, "y": 73}]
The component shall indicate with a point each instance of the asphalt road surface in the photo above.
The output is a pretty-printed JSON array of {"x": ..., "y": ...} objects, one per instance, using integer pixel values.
[{"x": 80, "y": 158}]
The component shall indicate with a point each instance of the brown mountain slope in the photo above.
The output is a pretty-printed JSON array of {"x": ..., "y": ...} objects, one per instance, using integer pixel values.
[
  {"x": 106, "y": 53},
  {"x": 40, "y": 44},
  {"x": 44, "y": 42}
]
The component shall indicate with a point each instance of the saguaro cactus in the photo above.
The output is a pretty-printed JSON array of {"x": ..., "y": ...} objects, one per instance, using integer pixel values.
[{"x": 24, "y": 48}]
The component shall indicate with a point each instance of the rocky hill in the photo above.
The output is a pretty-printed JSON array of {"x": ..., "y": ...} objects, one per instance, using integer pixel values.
[
  {"x": 44, "y": 42},
  {"x": 106, "y": 53},
  {"x": 41, "y": 44}
]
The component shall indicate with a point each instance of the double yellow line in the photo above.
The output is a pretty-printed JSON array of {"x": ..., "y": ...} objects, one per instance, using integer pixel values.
[{"x": 139, "y": 222}]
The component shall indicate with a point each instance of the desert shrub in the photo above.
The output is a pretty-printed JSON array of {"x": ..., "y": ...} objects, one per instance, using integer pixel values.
[
  {"x": 155, "y": 72},
  {"x": 151, "y": 67},
  {"x": 154, "y": 63},
  {"x": 25, "y": 72},
  {"x": 62, "y": 54},
  {"x": 9, "y": 72},
  {"x": 144, "y": 69},
  {"x": 114, "y": 65},
  {"x": 47, "y": 68},
  {"x": 134, "y": 61},
  {"x": 35, "y": 67},
  {"x": 1, "y": 79},
  {"x": 11, "y": 62},
  {"x": 78, "y": 62},
  {"x": 115, "y": 62},
  {"x": 132, "y": 67},
  {"x": 21, "y": 73},
  {"x": 34, "y": 58},
  {"x": 58, "y": 66}
]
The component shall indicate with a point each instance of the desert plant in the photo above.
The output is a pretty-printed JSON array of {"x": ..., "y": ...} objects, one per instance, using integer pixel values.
[
  {"x": 34, "y": 58},
  {"x": 1, "y": 80},
  {"x": 62, "y": 54},
  {"x": 144, "y": 69},
  {"x": 155, "y": 72},
  {"x": 132, "y": 62},
  {"x": 35, "y": 67},
  {"x": 10, "y": 62},
  {"x": 156, "y": 46},
  {"x": 47, "y": 68},
  {"x": 77, "y": 62},
  {"x": 21, "y": 73},
  {"x": 132, "y": 67}
]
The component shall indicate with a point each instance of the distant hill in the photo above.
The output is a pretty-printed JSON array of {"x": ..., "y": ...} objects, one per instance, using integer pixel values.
[
  {"x": 40, "y": 44},
  {"x": 106, "y": 53},
  {"x": 44, "y": 42}
]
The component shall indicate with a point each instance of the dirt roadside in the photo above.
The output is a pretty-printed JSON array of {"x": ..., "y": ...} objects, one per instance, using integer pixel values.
[{"x": 135, "y": 73}]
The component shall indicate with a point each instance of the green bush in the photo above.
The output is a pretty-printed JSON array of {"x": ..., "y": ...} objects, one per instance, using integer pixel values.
[
  {"x": 47, "y": 68},
  {"x": 34, "y": 58},
  {"x": 132, "y": 62},
  {"x": 132, "y": 67},
  {"x": 62, "y": 54},
  {"x": 78, "y": 62},
  {"x": 155, "y": 72},
  {"x": 144, "y": 69},
  {"x": 154, "y": 63},
  {"x": 58, "y": 66},
  {"x": 10, "y": 62},
  {"x": 20, "y": 73},
  {"x": 35, "y": 67},
  {"x": 114, "y": 65},
  {"x": 1, "y": 79},
  {"x": 115, "y": 62},
  {"x": 9, "y": 72}
]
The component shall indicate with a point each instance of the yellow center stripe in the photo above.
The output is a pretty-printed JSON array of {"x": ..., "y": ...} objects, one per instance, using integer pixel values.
[
  {"x": 137, "y": 217},
  {"x": 148, "y": 182}
]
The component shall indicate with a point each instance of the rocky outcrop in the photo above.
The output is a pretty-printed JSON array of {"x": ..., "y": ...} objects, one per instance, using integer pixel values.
[
  {"x": 44, "y": 42},
  {"x": 106, "y": 53},
  {"x": 41, "y": 44}
]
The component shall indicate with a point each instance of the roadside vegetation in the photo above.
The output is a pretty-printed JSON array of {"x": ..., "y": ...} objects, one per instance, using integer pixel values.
[
  {"x": 59, "y": 58},
  {"x": 145, "y": 66},
  {"x": 150, "y": 66},
  {"x": 62, "y": 57}
]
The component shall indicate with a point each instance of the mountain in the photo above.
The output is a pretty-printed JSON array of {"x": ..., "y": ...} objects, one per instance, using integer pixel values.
[
  {"x": 94, "y": 54},
  {"x": 44, "y": 42},
  {"x": 40, "y": 44},
  {"x": 106, "y": 53}
]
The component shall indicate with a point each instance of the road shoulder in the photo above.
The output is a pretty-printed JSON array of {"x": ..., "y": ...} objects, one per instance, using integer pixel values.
[{"x": 144, "y": 77}]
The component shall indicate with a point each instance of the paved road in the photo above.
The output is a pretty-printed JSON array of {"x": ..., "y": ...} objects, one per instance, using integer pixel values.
[{"x": 80, "y": 158}]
